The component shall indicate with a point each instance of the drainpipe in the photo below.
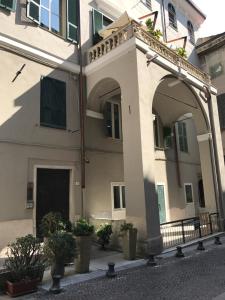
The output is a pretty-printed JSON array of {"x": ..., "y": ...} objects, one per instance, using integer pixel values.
[
  {"x": 164, "y": 21},
  {"x": 82, "y": 112},
  {"x": 215, "y": 158}
]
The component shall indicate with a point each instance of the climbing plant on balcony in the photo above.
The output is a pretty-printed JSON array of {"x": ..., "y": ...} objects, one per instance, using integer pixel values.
[
  {"x": 155, "y": 32},
  {"x": 182, "y": 52}
]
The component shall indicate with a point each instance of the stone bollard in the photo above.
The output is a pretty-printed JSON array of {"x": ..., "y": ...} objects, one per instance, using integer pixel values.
[
  {"x": 55, "y": 288},
  {"x": 217, "y": 240},
  {"x": 111, "y": 271},
  {"x": 200, "y": 246},
  {"x": 151, "y": 261},
  {"x": 179, "y": 252}
]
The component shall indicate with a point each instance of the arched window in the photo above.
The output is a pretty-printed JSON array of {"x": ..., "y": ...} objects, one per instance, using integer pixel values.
[
  {"x": 191, "y": 33},
  {"x": 172, "y": 16}
]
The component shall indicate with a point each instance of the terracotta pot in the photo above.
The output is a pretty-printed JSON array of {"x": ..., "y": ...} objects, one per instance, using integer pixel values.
[
  {"x": 129, "y": 242},
  {"x": 15, "y": 289},
  {"x": 83, "y": 254}
]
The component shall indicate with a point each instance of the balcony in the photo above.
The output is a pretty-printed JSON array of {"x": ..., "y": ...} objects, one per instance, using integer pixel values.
[{"x": 134, "y": 30}]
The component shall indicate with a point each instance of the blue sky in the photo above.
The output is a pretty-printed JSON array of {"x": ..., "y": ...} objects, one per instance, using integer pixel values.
[{"x": 215, "y": 21}]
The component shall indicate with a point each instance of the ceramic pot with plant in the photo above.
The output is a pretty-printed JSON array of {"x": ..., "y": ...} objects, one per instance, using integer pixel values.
[
  {"x": 83, "y": 232},
  {"x": 25, "y": 264},
  {"x": 53, "y": 222},
  {"x": 59, "y": 249},
  {"x": 129, "y": 240},
  {"x": 104, "y": 233}
]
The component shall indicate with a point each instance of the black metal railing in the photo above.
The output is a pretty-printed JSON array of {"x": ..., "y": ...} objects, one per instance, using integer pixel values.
[{"x": 185, "y": 230}]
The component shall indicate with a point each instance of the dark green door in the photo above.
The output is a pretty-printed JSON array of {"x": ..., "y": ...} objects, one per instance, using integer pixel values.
[{"x": 161, "y": 203}]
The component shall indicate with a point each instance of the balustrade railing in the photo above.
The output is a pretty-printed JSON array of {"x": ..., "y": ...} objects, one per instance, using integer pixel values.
[
  {"x": 135, "y": 30},
  {"x": 182, "y": 231}
]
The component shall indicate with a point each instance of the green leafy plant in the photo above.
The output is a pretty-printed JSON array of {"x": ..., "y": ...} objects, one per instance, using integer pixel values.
[
  {"x": 126, "y": 226},
  {"x": 83, "y": 228},
  {"x": 25, "y": 259},
  {"x": 104, "y": 233},
  {"x": 60, "y": 246},
  {"x": 182, "y": 52},
  {"x": 155, "y": 32},
  {"x": 53, "y": 222}
]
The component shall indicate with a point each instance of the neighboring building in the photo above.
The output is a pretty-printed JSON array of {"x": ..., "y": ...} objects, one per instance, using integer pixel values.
[
  {"x": 211, "y": 51},
  {"x": 147, "y": 131}
]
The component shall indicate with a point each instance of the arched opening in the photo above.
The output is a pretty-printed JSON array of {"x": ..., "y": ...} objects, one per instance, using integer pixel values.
[
  {"x": 183, "y": 164},
  {"x": 105, "y": 192}
]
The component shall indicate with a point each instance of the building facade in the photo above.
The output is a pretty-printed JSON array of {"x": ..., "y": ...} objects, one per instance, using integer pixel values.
[{"x": 149, "y": 156}]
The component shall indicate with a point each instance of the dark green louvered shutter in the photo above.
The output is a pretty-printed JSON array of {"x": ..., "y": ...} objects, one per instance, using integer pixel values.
[
  {"x": 53, "y": 103},
  {"x": 108, "y": 119},
  {"x": 221, "y": 109},
  {"x": 97, "y": 21},
  {"x": 8, "y": 4},
  {"x": 72, "y": 20},
  {"x": 33, "y": 11}
]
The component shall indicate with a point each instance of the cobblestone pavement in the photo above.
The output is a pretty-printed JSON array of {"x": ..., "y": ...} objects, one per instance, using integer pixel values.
[{"x": 200, "y": 275}]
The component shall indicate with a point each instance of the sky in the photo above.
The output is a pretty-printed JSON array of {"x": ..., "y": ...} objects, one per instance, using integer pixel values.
[{"x": 215, "y": 21}]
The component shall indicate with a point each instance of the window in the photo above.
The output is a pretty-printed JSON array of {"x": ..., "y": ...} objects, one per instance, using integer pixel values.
[
  {"x": 148, "y": 3},
  {"x": 53, "y": 103},
  {"x": 8, "y": 4},
  {"x": 191, "y": 33},
  {"x": 172, "y": 16},
  {"x": 182, "y": 135},
  {"x": 156, "y": 131},
  {"x": 216, "y": 70},
  {"x": 100, "y": 21},
  {"x": 221, "y": 109},
  {"x": 201, "y": 194},
  {"x": 112, "y": 117},
  {"x": 48, "y": 14},
  {"x": 118, "y": 195},
  {"x": 188, "y": 193}
]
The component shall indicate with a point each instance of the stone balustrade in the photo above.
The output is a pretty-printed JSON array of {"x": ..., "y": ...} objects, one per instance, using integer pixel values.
[{"x": 135, "y": 30}]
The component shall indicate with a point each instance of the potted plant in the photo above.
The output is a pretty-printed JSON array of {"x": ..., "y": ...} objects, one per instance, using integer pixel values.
[
  {"x": 25, "y": 263},
  {"x": 53, "y": 222},
  {"x": 155, "y": 32},
  {"x": 181, "y": 52},
  {"x": 83, "y": 231},
  {"x": 129, "y": 240},
  {"x": 104, "y": 233},
  {"x": 59, "y": 249}
]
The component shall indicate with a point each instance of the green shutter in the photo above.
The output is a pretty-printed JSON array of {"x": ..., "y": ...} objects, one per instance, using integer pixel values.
[
  {"x": 97, "y": 21},
  {"x": 72, "y": 20},
  {"x": 107, "y": 112},
  {"x": 33, "y": 9},
  {"x": 221, "y": 109},
  {"x": 53, "y": 103},
  {"x": 8, "y": 4}
]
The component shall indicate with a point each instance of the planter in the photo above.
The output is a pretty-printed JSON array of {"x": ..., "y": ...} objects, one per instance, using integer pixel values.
[
  {"x": 15, "y": 289},
  {"x": 129, "y": 241},
  {"x": 83, "y": 254},
  {"x": 57, "y": 268}
]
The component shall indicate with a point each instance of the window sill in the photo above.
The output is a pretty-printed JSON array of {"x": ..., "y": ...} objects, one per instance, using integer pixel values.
[{"x": 50, "y": 126}]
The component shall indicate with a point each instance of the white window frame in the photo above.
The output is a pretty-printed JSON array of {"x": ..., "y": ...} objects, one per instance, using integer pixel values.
[
  {"x": 120, "y": 185},
  {"x": 113, "y": 119},
  {"x": 49, "y": 13},
  {"x": 192, "y": 194}
]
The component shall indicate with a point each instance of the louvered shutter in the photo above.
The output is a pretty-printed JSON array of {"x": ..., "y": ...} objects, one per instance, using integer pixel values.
[
  {"x": 72, "y": 20},
  {"x": 8, "y": 4},
  {"x": 221, "y": 109}
]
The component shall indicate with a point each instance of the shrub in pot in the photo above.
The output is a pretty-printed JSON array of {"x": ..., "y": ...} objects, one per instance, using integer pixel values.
[
  {"x": 104, "y": 234},
  {"x": 129, "y": 240},
  {"x": 83, "y": 231},
  {"x": 26, "y": 265},
  {"x": 53, "y": 222},
  {"x": 59, "y": 249}
]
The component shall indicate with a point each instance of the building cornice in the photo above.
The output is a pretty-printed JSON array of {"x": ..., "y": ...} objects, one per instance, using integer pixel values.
[{"x": 37, "y": 55}]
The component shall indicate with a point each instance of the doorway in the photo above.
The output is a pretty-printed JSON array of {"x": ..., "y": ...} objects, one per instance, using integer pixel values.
[
  {"x": 161, "y": 202},
  {"x": 52, "y": 194}
]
